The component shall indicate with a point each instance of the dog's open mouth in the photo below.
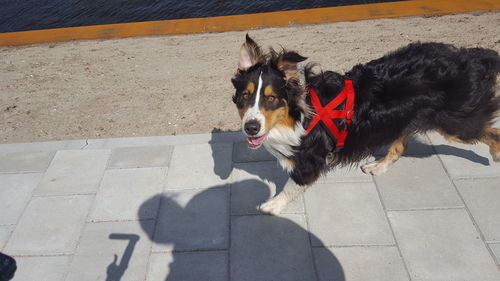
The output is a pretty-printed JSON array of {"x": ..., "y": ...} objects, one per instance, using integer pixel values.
[{"x": 255, "y": 142}]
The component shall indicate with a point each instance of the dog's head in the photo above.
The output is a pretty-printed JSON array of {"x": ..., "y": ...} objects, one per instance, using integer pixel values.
[{"x": 268, "y": 92}]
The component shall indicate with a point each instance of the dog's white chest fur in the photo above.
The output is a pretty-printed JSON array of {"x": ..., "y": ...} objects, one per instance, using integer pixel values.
[{"x": 281, "y": 142}]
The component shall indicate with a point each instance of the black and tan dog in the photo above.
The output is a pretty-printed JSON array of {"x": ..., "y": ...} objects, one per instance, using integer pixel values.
[{"x": 418, "y": 88}]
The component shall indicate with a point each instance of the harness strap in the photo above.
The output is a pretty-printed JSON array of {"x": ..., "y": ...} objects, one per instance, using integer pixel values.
[{"x": 328, "y": 112}]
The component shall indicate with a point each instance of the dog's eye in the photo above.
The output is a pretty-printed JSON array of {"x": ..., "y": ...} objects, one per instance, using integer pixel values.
[
  {"x": 245, "y": 96},
  {"x": 270, "y": 99}
]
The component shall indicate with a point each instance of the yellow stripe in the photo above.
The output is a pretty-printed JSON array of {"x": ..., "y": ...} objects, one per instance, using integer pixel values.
[{"x": 244, "y": 22}]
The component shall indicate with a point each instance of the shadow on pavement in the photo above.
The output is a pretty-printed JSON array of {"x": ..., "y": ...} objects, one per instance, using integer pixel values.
[
  {"x": 195, "y": 224},
  {"x": 115, "y": 271}
]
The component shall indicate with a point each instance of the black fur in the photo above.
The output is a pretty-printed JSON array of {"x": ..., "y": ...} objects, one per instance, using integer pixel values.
[{"x": 420, "y": 87}]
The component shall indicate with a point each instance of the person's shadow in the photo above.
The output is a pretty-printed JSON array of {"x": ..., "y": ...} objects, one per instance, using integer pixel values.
[{"x": 207, "y": 243}]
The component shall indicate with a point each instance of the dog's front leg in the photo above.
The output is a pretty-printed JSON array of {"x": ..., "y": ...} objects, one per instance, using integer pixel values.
[
  {"x": 300, "y": 179},
  {"x": 278, "y": 203}
]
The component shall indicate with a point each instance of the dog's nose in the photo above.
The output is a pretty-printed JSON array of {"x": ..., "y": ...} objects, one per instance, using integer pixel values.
[{"x": 252, "y": 128}]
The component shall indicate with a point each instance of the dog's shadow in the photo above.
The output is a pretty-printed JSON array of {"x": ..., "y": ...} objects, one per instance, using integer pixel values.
[{"x": 204, "y": 241}]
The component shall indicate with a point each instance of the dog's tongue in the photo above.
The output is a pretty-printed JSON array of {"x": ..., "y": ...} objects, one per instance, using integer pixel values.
[{"x": 256, "y": 141}]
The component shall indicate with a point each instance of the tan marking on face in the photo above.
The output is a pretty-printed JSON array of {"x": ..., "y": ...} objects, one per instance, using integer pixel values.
[
  {"x": 251, "y": 87},
  {"x": 278, "y": 117},
  {"x": 242, "y": 111},
  {"x": 268, "y": 91}
]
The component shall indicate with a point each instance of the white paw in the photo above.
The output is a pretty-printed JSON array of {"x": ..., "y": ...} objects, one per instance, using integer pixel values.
[
  {"x": 273, "y": 206},
  {"x": 375, "y": 168}
]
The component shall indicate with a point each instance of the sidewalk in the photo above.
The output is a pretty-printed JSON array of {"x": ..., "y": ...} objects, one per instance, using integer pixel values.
[{"x": 184, "y": 208}]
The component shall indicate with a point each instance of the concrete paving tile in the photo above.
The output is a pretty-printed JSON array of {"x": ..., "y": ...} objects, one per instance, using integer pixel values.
[
  {"x": 418, "y": 145},
  {"x": 254, "y": 183},
  {"x": 48, "y": 146},
  {"x": 496, "y": 251},
  {"x": 192, "y": 220},
  {"x": 15, "y": 192},
  {"x": 200, "y": 165},
  {"x": 360, "y": 264},
  {"x": 50, "y": 225},
  {"x": 194, "y": 266},
  {"x": 74, "y": 172},
  {"x": 112, "y": 251},
  {"x": 41, "y": 268},
  {"x": 442, "y": 245},
  {"x": 482, "y": 198},
  {"x": 462, "y": 160},
  {"x": 415, "y": 183},
  {"x": 5, "y": 232},
  {"x": 166, "y": 140},
  {"x": 22, "y": 162},
  {"x": 242, "y": 153},
  {"x": 140, "y": 157},
  {"x": 270, "y": 248},
  {"x": 347, "y": 214},
  {"x": 123, "y": 191}
]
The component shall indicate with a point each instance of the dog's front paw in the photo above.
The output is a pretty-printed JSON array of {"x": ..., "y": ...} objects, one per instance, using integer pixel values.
[
  {"x": 273, "y": 206},
  {"x": 375, "y": 168}
]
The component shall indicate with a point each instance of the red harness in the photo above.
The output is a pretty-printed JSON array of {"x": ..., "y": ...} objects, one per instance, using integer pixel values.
[{"x": 327, "y": 113}]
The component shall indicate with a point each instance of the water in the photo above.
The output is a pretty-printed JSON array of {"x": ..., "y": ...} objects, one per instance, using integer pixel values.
[{"x": 21, "y": 15}]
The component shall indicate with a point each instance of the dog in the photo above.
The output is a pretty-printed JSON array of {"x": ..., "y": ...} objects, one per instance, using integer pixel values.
[{"x": 415, "y": 89}]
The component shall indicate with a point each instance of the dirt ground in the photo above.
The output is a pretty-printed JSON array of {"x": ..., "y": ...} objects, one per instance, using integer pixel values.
[{"x": 166, "y": 85}]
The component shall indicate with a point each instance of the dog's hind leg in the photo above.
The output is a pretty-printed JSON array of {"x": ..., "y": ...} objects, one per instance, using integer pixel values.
[
  {"x": 380, "y": 166},
  {"x": 491, "y": 137}
]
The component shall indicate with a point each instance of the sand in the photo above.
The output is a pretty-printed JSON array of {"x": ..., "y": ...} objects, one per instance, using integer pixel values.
[{"x": 169, "y": 85}]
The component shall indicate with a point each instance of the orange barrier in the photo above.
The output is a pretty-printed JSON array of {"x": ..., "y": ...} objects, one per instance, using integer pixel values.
[{"x": 249, "y": 21}]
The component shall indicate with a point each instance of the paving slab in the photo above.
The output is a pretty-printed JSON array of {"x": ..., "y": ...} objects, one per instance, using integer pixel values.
[
  {"x": 189, "y": 266},
  {"x": 254, "y": 183},
  {"x": 482, "y": 197},
  {"x": 417, "y": 183},
  {"x": 270, "y": 248},
  {"x": 140, "y": 157},
  {"x": 373, "y": 263},
  {"x": 15, "y": 192},
  {"x": 5, "y": 232},
  {"x": 74, "y": 172},
  {"x": 50, "y": 226},
  {"x": 123, "y": 191},
  {"x": 221, "y": 137},
  {"x": 48, "y": 146},
  {"x": 25, "y": 162},
  {"x": 495, "y": 248},
  {"x": 200, "y": 166},
  {"x": 347, "y": 214},
  {"x": 192, "y": 220},
  {"x": 112, "y": 251},
  {"x": 442, "y": 245},
  {"x": 243, "y": 154},
  {"x": 41, "y": 268},
  {"x": 465, "y": 161}
]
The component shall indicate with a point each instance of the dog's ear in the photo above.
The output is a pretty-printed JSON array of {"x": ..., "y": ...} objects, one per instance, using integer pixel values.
[
  {"x": 250, "y": 54},
  {"x": 287, "y": 63}
]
